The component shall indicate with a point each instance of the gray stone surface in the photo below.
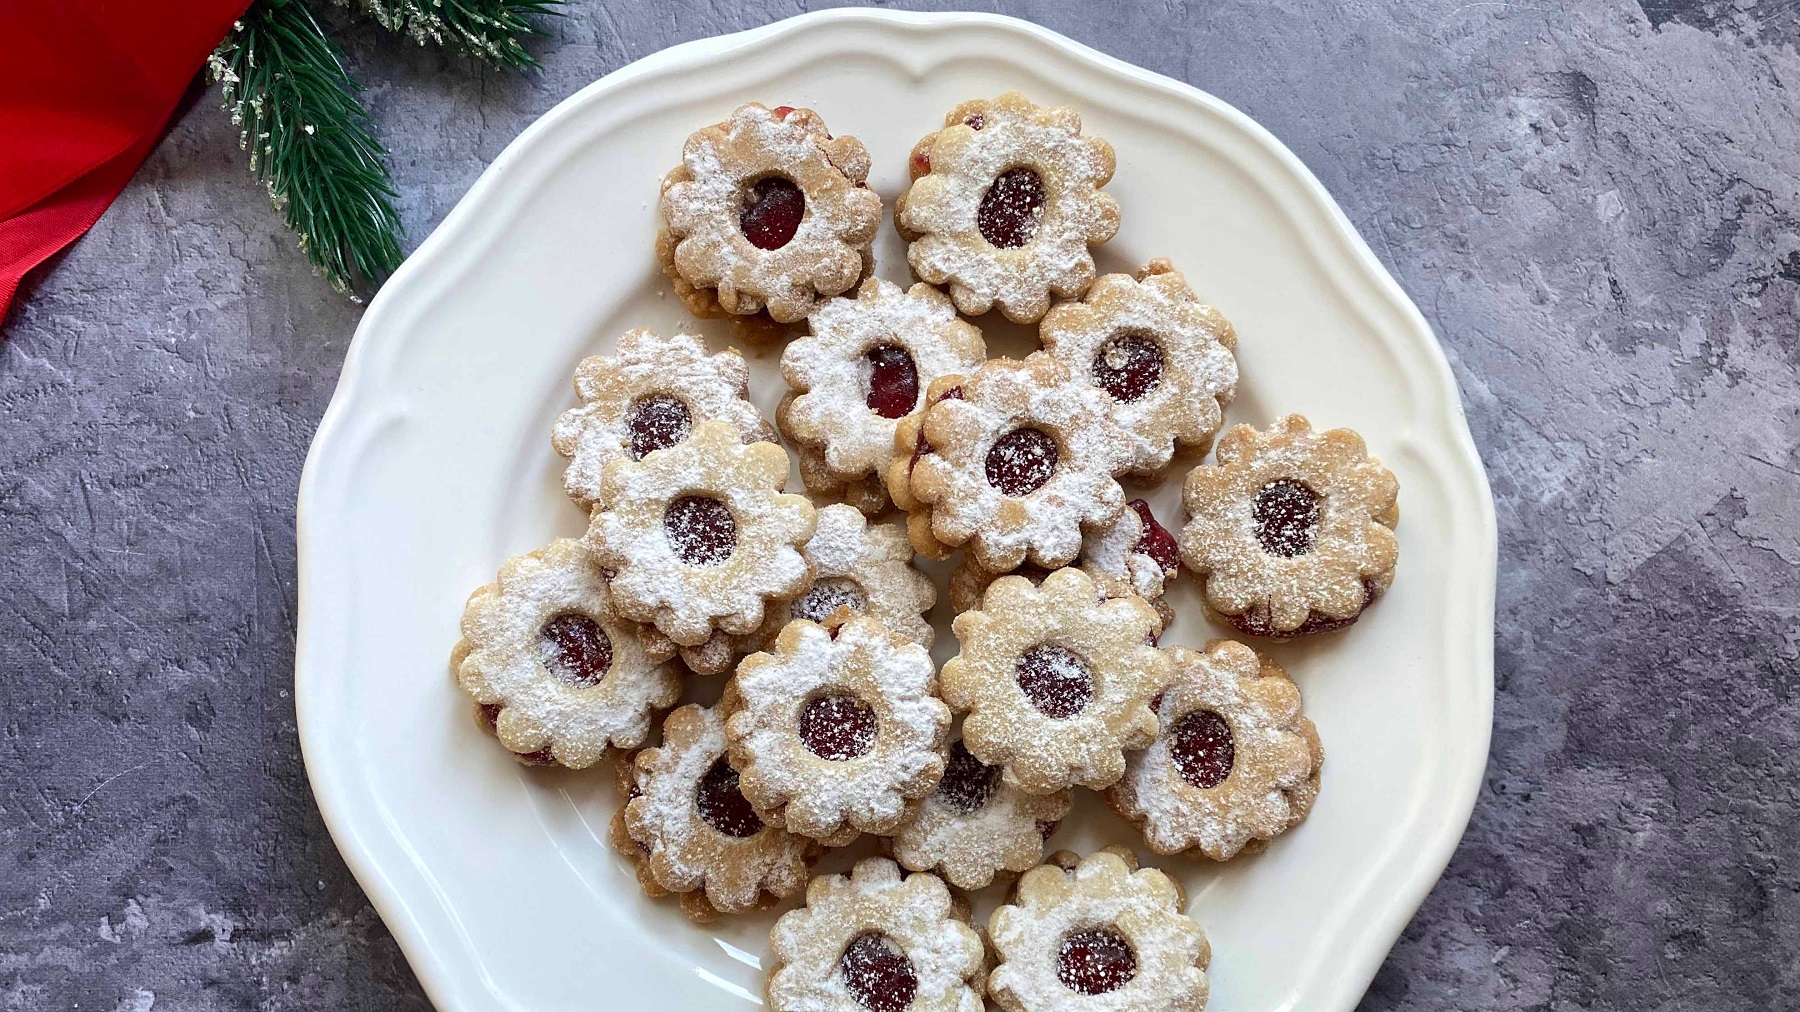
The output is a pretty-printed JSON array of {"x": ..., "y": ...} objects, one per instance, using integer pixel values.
[{"x": 1596, "y": 204}]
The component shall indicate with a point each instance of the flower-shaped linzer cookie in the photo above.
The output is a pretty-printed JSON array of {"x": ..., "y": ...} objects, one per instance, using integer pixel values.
[
  {"x": 699, "y": 535},
  {"x": 910, "y": 446},
  {"x": 694, "y": 828},
  {"x": 865, "y": 567},
  {"x": 1232, "y": 753},
  {"x": 1292, "y": 530},
  {"x": 618, "y": 833},
  {"x": 1102, "y": 934},
  {"x": 866, "y": 364},
  {"x": 554, "y": 667},
  {"x": 648, "y": 395},
  {"x": 1020, "y": 462},
  {"x": 1164, "y": 358},
  {"x": 973, "y": 827},
  {"x": 1004, "y": 202},
  {"x": 837, "y": 728},
  {"x": 875, "y": 940},
  {"x": 1055, "y": 681},
  {"x": 767, "y": 211}
]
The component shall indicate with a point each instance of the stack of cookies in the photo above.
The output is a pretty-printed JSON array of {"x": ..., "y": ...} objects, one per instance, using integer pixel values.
[{"x": 833, "y": 722}]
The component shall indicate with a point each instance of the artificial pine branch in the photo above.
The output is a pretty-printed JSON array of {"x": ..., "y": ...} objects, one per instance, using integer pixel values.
[
  {"x": 487, "y": 29},
  {"x": 310, "y": 140}
]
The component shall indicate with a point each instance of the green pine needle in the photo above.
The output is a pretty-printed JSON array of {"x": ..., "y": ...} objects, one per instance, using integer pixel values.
[
  {"x": 310, "y": 140},
  {"x": 490, "y": 30}
]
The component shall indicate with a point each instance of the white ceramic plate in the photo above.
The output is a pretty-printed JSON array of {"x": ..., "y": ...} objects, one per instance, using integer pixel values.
[{"x": 433, "y": 464}]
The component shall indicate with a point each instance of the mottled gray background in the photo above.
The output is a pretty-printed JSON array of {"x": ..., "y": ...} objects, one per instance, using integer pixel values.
[{"x": 1595, "y": 204}]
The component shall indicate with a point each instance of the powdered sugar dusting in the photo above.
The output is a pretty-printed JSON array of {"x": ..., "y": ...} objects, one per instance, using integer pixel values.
[
  {"x": 970, "y": 838},
  {"x": 867, "y": 565}
]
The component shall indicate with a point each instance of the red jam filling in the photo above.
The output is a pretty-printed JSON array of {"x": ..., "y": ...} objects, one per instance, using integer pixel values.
[
  {"x": 1128, "y": 367},
  {"x": 1156, "y": 541},
  {"x": 837, "y": 727},
  {"x": 1287, "y": 517},
  {"x": 722, "y": 805},
  {"x": 1020, "y": 462},
  {"x": 827, "y": 596},
  {"x": 1256, "y": 621},
  {"x": 877, "y": 974},
  {"x": 975, "y": 121},
  {"x": 655, "y": 422},
  {"x": 575, "y": 649},
  {"x": 772, "y": 211},
  {"x": 893, "y": 381},
  {"x": 1056, "y": 681},
  {"x": 1011, "y": 209},
  {"x": 1095, "y": 961},
  {"x": 1202, "y": 748},
  {"x": 968, "y": 782},
  {"x": 700, "y": 529}
]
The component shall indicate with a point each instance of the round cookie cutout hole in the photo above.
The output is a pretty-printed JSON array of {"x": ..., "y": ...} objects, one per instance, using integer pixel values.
[
  {"x": 773, "y": 208},
  {"x": 1286, "y": 513},
  {"x": 1095, "y": 961},
  {"x": 1012, "y": 209},
  {"x": 827, "y": 596},
  {"x": 1057, "y": 682},
  {"x": 575, "y": 649},
  {"x": 838, "y": 727},
  {"x": 877, "y": 974},
  {"x": 700, "y": 529},
  {"x": 1020, "y": 462},
  {"x": 1128, "y": 366},
  {"x": 655, "y": 422},
  {"x": 1203, "y": 749},
  {"x": 722, "y": 806},
  {"x": 968, "y": 782},
  {"x": 893, "y": 381}
]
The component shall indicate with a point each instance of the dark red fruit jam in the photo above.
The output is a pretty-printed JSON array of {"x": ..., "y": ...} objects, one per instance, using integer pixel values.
[
  {"x": 827, "y": 596},
  {"x": 877, "y": 974},
  {"x": 656, "y": 421},
  {"x": 1287, "y": 517},
  {"x": 968, "y": 782},
  {"x": 700, "y": 529},
  {"x": 1128, "y": 367},
  {"x": 975, "y": 121},
  {"x": 781, "y": 111},
  {"x": 1011, "y": 209},
  {"x": 773, "y": 209},
  {"x": 1156, "y": 540},
  {"x": 1021, "y": 461},
  {"x": 1095, "y": 961},
  {"x": 1202, "y": 749},
  {"x": 1055, "y": 680},
  {"x": 722, "y": 805},
  {"x": 837, "y": 727},
  {"x": 893, "y": 381},
  {"x": 1256, "y": 621},
  {"x": 575, "y": 649}
]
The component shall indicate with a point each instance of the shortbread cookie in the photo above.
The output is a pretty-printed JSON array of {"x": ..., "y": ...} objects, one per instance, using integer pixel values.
[
  {"x": 1019, "y": 463},
  {"x": 867, "y": 493},
  {"x": 1132, "y": 555},
  {"x": 971, "y": 579},
  {"x": 546, "y": 649},
  {"x": 715, "y": 656},
  {"x": 867, "y": 364},
  {"x": 867, "y": 567},
  {"x": 648, "y": 395},
  {"x": 1292, "y": 530},
  {"x": 836, "y": 728},
  {"x": 910, "y": 446},
  {"x": 767, "y": 212},
  {"x": 973, "y": 827},
  {"x": 1004, "y": 204},
  {"x": 874, "y": 941},
  {"x": 618, "y": 833},
  {"x": 1163, "y": 357},
  {"x": 1232, "y": 753},
  {"x": 698, "y": 831},
  {"x": 699, "y": 535},
  {"x": 1103, "y": 934},
  {"x": 1055, "y": 682}
]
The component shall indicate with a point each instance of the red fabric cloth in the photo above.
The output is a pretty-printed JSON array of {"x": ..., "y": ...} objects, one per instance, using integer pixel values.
[{"x": 86, "y": 87}]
